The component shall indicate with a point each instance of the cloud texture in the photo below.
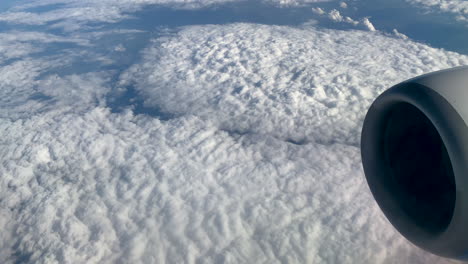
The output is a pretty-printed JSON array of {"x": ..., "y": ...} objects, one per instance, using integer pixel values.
[
  {"x": 73, "y": 15},
  {"x": 301, "y": 85},
  {"x": 234, "y": 143}
]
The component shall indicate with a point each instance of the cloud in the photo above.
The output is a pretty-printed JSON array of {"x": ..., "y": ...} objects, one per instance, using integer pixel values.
[
  {"x": 302, "y": 85},
  {"x": 33, "y": 70},
  {"x": 17, "y": 87},
  {"x": 75, "y": 90},
  {"x": 458, "y": 8},
  {"x": 104, "y": 187},
  {"x": 318, "y": 10},
  {"x": 368, "y": 24},
  {"x": 335, "y": 16},
  {"x": 398, "y": 34},
  {"x": 257, "y": 162},
  {"x": 294, "y": 2},
  {"x": 29, "y": 87},
  {"x": 73, "y": 15},
  {"x": 19, "y": 44},
  {"x": 70, "y": 18}
]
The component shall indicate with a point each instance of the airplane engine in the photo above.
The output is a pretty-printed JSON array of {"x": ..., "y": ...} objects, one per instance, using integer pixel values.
[{"x": 414, "y": 147}]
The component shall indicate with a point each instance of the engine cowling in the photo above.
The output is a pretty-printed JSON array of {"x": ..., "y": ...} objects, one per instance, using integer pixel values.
[{"x": 414, "y": 148}]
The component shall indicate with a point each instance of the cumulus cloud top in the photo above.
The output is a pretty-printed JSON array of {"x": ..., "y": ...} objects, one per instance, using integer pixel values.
[
  {"x": 296, "y": 84},
  {"x": 255, "y": 161},
  {"x": 106, "y": 187}
]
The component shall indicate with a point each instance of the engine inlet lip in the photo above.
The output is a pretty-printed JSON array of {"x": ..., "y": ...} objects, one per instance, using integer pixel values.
[{"x": 451, "y": 241}]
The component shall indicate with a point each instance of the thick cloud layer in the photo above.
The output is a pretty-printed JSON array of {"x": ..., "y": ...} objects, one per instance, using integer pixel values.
[
  {"x": 106, "y": 187},
  {"x": 302, "y": 85},
  {"x": 246, "y": 150},
  {"x": 118, "y": 188}
]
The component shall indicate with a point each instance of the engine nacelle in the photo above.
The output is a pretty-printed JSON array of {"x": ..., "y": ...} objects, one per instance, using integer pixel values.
[{"x": 414, "y": 148}]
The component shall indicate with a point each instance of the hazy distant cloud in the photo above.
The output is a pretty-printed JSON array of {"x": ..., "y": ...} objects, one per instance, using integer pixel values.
[
  {"x": 318, "y": 10},
  {"x": 32, "y": 74},
  {"x": 119, "y": 48},
  {"x": 398, "y": 34},
  {"x": 25, "y": 92},
  {"x": 294, "y": 2},
  {"x": 17, "y": 44},
  {"x": 75, "y": 13},
  {"x": 79, "y": 14},
  {"x": 458, "y": 7},
  {"x": 176, "y": 3},
  {"x": 335, "y": 16},
  {"x": 38, "y": 37},
  {"x": 30, "y": 83}
]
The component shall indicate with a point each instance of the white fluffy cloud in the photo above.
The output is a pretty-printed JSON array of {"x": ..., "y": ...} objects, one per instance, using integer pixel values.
[
  {"x": 458, "y": 7},
  {"x": 335, "y": 16},
  {"x": 102, "y": 188},
  {"x": 259, "y": 162},
  {"x": 303, "y": 85}
]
